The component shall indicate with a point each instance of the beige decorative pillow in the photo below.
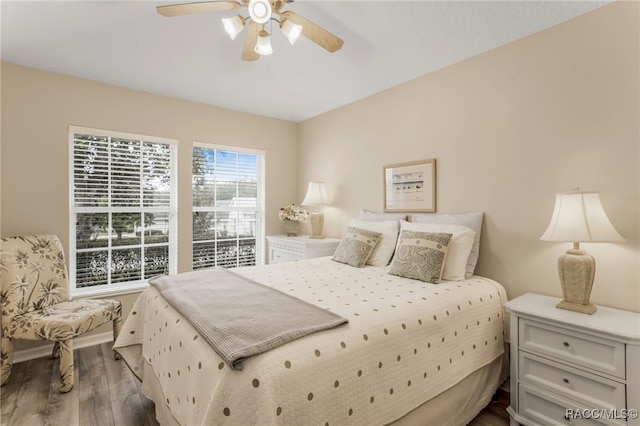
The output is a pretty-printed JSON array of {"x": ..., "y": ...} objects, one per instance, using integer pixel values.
[
  {"x": 382, "y": 253},
  {"x": 458, "y": 249},
  {"x": 356, "y": 246},
  {"x": 420, "y": 255}
]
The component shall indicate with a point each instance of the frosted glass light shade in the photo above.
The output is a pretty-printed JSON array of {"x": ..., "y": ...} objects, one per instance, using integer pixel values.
[
  {"x": 263, "y": 45},
  {"x": 233, "y": 26},
  {"x": 580, "y": 217},
  {"x": 291, "y": 31}
]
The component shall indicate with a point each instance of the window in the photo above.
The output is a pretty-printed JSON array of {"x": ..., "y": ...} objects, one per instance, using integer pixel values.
[
  {"x": 228, "y": 206},
  {"x": 123, "y": 209}
]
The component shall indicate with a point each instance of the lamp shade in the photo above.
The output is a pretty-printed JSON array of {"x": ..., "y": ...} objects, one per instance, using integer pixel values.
[
  {"x": 233, "y": 25},
  {"x": 290, "y": 30},
  {"x": 263, "y": 45},
  {"x": 580, "y": 217},
  {"x": 316, "y": 195}
]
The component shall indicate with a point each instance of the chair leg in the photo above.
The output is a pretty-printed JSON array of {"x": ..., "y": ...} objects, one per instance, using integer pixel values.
[
  {"x": 56, "y": 350},
  {"x": 117, "y": 326},
  {"x": 66, "y": 365},
  {"x": 6, "y": 352}
]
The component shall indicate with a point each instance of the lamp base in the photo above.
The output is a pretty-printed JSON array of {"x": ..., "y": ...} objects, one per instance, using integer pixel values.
[
  {"x": 577, "y": 307},
  {"x": 317, "y": 223},
  {"x": 577, "y": 270}
]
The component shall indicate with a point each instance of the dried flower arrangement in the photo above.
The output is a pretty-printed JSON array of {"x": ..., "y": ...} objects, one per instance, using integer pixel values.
[{"x": 293, "y": 213}]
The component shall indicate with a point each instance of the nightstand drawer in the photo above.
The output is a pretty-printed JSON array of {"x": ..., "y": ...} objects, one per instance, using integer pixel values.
[
  {"x": 290, "y": 249},
  {"x": 584, "y": 350},
  {"x": 587, "y": 388},
  {"x": 547, "y": 409},
  {"x": 282, "y": 256}
]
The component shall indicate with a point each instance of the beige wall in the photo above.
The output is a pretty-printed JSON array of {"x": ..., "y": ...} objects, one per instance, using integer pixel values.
[
  {"x": 38, "y": 107},
  {"x": 509, "y": 129}
]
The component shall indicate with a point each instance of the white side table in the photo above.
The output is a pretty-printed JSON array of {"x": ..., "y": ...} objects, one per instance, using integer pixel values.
[
  {"x": 290, "y": 249},
  {"x": 569, "y": 368}
]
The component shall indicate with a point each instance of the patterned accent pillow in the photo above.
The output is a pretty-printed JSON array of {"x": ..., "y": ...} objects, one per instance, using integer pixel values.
[
  {"x": 383, "y": 252},
  {"x": 356, "y": 246},
  {"x": 457, "y": 251},
  {"x": 420, "y": 255}
]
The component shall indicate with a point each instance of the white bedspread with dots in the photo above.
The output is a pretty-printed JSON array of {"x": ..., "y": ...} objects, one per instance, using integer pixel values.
[{"x": 406, "y": 342}]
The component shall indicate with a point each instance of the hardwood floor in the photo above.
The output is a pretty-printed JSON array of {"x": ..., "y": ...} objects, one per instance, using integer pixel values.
[
  {"x": 106, "y": 393},
  {"x": 494, "y": 414}
]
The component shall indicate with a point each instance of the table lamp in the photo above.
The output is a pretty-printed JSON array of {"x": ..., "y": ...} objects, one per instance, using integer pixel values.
[
  {"x": 578, "y": 217},
  {"x": 316, "y": 197}
]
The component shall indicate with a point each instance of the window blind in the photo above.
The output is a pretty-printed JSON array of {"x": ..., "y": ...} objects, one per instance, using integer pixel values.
[
  {"x": 228, "y": 206},
  {"x": 123, "y": 208}
]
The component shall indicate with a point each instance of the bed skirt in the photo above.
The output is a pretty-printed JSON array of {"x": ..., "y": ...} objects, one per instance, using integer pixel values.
[
  {"x": 456, "y": 406},
  {"x": 461, "y": 403}
]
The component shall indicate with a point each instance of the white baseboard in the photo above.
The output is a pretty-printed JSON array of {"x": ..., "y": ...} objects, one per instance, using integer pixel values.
[{"x": 78, "y": 342}]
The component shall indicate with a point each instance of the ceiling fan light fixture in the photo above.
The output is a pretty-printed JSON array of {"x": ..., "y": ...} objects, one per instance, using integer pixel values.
[
  {"x": 233, "y": 26},
  {"x": 291, "y": 30},
  {"x": 258, "y": 14},
  {"x": 260, "y": 11},
  {"x": 263, "y": 45}
]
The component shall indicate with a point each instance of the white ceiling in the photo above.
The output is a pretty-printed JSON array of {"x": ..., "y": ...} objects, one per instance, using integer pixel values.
[{"x": 126, "y": 43}]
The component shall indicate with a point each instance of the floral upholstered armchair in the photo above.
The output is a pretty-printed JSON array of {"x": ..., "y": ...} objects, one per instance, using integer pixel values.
[{"x": 35, "y": 302}]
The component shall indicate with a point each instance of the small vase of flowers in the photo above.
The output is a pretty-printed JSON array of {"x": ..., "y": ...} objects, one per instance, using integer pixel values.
[{"x": 292, "y": 216}]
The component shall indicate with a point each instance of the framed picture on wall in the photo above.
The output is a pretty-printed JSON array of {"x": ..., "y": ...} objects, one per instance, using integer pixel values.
[{"x": 410, "y": 187}]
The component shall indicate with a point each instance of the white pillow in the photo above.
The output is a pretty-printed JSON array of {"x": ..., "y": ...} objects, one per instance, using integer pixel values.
[
  {"x": 472, "y": 220},
  {"x": 383, "y": 251},
  {"x": 376, "y": 217},
  {"x": 459, "y": 246}
]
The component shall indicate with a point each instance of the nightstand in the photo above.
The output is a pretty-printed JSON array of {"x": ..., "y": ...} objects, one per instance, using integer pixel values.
[
  {"x": 290, "y": 249},
  {"x": 569, "y": 368}
]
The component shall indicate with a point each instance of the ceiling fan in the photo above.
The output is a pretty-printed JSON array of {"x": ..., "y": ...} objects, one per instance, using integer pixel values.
[{"x": 257, "y": 40}]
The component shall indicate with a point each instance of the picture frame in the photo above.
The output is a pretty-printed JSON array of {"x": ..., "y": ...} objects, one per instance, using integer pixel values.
[{"x": 410, "y": 187}]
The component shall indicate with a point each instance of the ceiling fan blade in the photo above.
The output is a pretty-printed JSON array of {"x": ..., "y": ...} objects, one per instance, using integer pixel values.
[
  {"x": 199, "y": 7},
  {"x": 314, "y": 32},
  {"x": 248, "y": 50}
]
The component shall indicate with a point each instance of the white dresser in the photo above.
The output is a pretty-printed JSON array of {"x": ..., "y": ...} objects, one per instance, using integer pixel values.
[
  {"x": 569, "y": 368},
  {"x": 290, "y": 249}
]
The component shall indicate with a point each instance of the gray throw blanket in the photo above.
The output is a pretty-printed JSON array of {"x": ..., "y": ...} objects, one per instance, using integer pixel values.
[{"x": 239, "y": 317}]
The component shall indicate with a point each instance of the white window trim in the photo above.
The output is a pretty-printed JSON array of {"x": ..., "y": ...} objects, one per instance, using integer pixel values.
[
  {"x": 261, "y": 201},
  {"x": 131, "y": 286}
]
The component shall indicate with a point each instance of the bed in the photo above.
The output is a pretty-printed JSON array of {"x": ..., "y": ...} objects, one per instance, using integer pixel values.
[{"x": 412, "y": 353}]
